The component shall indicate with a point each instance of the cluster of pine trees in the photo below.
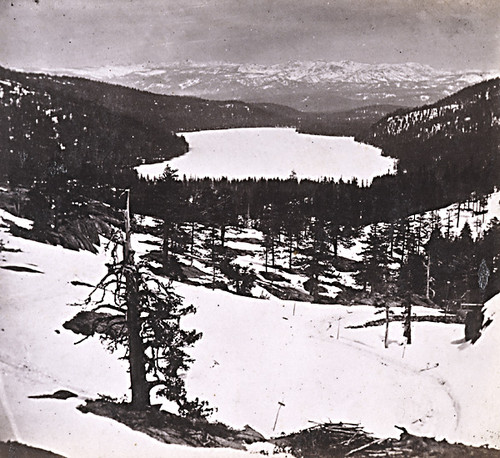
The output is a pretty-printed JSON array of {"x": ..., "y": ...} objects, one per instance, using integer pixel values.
[
  {"x": 308, "y": 221},
  {"x": 419, "y": 255}
]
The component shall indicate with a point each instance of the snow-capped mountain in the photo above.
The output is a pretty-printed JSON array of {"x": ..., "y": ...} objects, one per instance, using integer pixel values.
[{"x": 308, "y": 86}]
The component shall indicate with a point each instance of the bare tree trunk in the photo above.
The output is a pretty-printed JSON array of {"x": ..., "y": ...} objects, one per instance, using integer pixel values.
[
  {"x": 428, "y": 279},
  {"x": 248, "y": 214},
  {"x": 448, "y": 225},
  {"x": 272, "y": 252},
  {"x": 407, "y": 325},
  {"x": 192, "y": 241},
  {"x": 165, "y": 246},
  {"x": 138, "y": 383},
  {"x": 213, "y": 257},
  {"x": 222, "y": 235},
  {"x": 335, "y": 245},
  {"x": 419, "y": 236},
  {"x": 266, "y": 251},
  {"x": 386, "y": 338}
]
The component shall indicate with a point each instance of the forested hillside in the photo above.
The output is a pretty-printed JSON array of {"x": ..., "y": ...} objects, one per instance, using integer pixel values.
[
  {"x": 452, "y": 145},
  {"x": 47, "y": 132}
]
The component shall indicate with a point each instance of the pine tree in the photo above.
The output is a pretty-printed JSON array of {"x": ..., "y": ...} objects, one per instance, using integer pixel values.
[
  {"x": 466, "y": 264},
  {"x": 170, "y": 207},
  {"x": 412, "y": 275},
  {"x": 374, "y": 271},
  {"x": 270, "y": 226},
  {"x": 292, "y": 225},
  {"x": 154, "y": 340},
  {"x": 317, "y": 257}
]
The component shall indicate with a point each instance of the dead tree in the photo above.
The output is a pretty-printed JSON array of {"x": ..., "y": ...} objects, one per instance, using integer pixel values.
[{"x": 138, "y": 382}]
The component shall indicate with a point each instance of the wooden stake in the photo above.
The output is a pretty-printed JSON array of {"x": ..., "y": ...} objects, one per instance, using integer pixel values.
[
  {"x": 428, "y": 275},
  {"x": 280, "y": 404}
]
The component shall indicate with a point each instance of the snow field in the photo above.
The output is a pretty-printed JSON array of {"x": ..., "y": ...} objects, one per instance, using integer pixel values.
[
  {"x": 255, "y": 354},
  {"x": 38, "y": 356},
  {"x": 477, "y": 223},
  {"x": 273, "y": 153}
]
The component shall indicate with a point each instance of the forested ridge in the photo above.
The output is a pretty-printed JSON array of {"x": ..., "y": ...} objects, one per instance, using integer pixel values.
[{"x": 452, "y": 146}]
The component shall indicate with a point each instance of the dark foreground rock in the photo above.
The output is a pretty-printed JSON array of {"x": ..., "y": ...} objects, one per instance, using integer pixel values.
[
  {"x": 172, "y": 429},
  {"x": 16, "y": 450}
]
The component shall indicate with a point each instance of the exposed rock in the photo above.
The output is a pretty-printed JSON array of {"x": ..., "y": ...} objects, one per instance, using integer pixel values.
[
  {"x": 172, "y": 429},
  {"x": 59, "y": 394}
]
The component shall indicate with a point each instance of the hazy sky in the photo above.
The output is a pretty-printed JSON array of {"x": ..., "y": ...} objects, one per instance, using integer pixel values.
[{"x": 451, "y": 34}]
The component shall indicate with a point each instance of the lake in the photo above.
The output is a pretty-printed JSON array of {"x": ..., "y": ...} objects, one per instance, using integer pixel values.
[{"x": 274, "y": 153}]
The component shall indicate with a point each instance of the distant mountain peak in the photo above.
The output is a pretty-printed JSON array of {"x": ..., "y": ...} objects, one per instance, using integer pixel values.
[{"x": 309, "y": 85}]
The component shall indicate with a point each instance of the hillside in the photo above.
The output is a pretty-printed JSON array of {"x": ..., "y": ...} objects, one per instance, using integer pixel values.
[
  {"x": 84, "y": 127},
  {"x": 50, "y": 129},
  {"x": 448, "y": 149},
  {"x": 473, "y": 110}
]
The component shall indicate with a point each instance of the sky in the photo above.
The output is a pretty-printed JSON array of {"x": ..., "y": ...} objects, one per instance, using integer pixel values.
[{"x": 446, "y": 34}]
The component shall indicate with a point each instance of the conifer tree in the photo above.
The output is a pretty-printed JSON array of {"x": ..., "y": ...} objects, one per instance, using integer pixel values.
[
  {"x": 292, "y": 225},
  {"x": 316, "y": 257},
  {"x": 151, "y": 332},
  {"x": 466, "y": 264},
  {"x": 171, "y": 209},
  {"x": 374, "y": 271}
]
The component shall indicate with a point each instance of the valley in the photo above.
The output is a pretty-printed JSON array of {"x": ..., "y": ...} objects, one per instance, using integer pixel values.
[
  {"x": 333, "y": 277},
  {"x": 238, "y": 229}
]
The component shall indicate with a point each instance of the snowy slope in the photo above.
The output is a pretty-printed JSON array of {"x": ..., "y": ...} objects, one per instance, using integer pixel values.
[
  {"x": 38, "y": 356},
  {"x": 478, "y": 221},
  {"x": 254, "y": 354}
]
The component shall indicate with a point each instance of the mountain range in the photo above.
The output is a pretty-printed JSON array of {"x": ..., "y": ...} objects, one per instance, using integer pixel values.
[{"x": 315, "y": 86}]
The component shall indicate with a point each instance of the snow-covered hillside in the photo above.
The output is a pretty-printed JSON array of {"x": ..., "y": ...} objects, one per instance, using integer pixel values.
[
  {"x": 254, "y": 353},
  {"x": 477, "y": 214},
  {"x": 274, "y": 153},
  {"x": 38, "y": 356}
]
